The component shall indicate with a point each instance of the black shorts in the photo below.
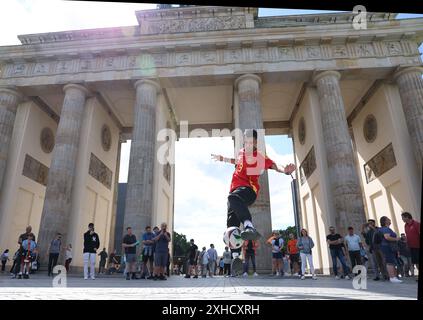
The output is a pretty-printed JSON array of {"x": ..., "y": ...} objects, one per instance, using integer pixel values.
[
  {"x": 192, "y": 262},
  {"x": 294, "y": 257},
  {"x": 414, "y": 255},
  {"x": 146, "y": 258}
]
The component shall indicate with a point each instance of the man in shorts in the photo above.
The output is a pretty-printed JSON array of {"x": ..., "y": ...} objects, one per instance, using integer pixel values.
[
  {"x": 147, "y": 253},
  {"x": 192, "y": 260},
  {"x": 161, "y": 251},
  {"x": 129, "y": 244}
]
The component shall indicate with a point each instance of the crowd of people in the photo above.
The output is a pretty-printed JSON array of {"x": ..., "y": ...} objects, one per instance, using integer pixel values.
[{"x": 382, "y": 253}]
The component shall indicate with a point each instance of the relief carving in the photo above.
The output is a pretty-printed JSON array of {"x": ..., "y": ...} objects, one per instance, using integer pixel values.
[
  {"x": 313, "y": 52},
  {"x": 286, "y": 53},
  {"x": 35, "y": 170},
  {"x": 308, "y": 166},
  {"x": 394, "y": 48},
  {"x": 339, "y": 51},
  {"x": 380, "y": 163},
  {"x": 99, "y": 171}
]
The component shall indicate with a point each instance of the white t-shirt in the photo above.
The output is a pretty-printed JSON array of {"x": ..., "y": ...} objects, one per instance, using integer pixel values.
[
  {"x": 68, "y": 254},
  {"x": 353, "y": 242},
  {"x": 277, "y": 248}
]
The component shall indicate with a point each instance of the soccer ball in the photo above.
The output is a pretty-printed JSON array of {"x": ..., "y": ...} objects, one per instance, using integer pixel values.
[{"x": 232, "y": 238}]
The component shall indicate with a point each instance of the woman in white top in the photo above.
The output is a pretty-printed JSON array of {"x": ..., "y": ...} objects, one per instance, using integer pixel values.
[{"x": 68, "y": 257}]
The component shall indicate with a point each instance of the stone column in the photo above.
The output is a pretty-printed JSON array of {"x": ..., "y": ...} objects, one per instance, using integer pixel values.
[
  {"x": 139, "y": 192},
  {"x": 57, "y": 203},
  {"x": 9, "y": 100},
  {"x": 410, "y": 85},
  {"x": 250, "y": 117},
  {"x": 344, "y": 180}
]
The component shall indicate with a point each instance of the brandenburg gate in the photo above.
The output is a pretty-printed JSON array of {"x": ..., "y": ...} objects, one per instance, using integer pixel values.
[{"x": 351, "y": 100}]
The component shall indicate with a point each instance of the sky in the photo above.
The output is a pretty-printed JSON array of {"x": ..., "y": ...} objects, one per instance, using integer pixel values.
[{"x": 199, "y": 214}]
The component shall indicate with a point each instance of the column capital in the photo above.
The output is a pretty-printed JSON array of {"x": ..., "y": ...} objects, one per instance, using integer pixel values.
[
  {"x": 402, "y": 71},
  {"x": 150, "y": 82},
  {"x": 76, "y": 86},
  {"x": 320, "y": 74},
  {"x": 10, "y": 96},
  {"x": 248, "y": 76}
]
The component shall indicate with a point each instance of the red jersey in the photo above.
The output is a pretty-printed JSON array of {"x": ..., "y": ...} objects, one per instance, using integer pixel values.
[
  {"x": 248, "y": 171},
  {"x": 412, "y": 231}
]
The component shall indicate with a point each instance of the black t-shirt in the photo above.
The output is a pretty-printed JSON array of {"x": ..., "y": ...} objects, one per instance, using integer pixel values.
[
  {"x": 249, "y": 247},
  {"x": 130, "y": 239},
  {"x": 24, "y": 236},
  {"x": 192, "y": 251},
  {"x": 334, "y": 237}
]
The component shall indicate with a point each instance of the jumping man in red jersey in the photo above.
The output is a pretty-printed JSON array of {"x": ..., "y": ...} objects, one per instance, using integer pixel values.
[{"x": 245, "y": 185}]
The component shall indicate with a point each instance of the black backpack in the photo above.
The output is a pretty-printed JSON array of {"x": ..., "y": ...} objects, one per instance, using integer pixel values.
[{"x": 378, "y": 237}]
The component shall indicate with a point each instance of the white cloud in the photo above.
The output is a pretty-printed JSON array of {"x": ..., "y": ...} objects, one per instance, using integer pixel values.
[{"x": 38, "y": 16}]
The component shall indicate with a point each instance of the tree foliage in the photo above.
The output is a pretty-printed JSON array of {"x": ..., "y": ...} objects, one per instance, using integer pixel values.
[
  {"x": 180, "y": 244},
  {"x": 285, "y": 234}
]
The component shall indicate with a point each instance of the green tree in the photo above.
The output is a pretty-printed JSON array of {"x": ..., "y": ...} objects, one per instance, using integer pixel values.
[{"x": 180, "y": 244}]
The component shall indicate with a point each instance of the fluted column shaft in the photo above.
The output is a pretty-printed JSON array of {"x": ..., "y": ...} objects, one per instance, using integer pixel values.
[
  {"x": 139, "y": 195},
  {"x": 250, "y": 117},
  {"x": 343, "y": 177},
  {"x": 57, "y": 204},
  {"x": 410, "y": 85},
  {"x": 9, "y": 100}
]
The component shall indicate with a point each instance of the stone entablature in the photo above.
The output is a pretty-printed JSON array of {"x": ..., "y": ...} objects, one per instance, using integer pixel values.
[{"x": 198, "y": 57}]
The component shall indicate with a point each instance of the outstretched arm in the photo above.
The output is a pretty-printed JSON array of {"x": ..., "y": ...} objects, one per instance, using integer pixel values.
[
  {"x": 222, "y": 158},
  {"x": 288, "y": 169}
]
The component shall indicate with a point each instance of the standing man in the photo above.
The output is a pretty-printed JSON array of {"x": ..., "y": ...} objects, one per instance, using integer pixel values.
[
  {"x": 405, "y": 256},
  {"x": 212, "y": 259},
  {"x": 412, "y": 231},
  {"x": 192, "y": 259},
  {"x": 336, "y": 247},
  {"x": 354, "y": 245},
  {"x": 128, "y": 243},
  {"x": 294, "y": 255},
  {"x": 147, "y": 253},
  {"x": 249, "y": 252},
  {"x": 378, "y": 258},
  {"x": 91, "y": 244},
  {"x": 162, "y": 245},
  {"x": 227, "y": 260},
  {"x": 103, "y": 258},
  {"x": 53, "y": 252},
  {"x": 245, "y": 187},
  {"x": 367, "y": 231}
]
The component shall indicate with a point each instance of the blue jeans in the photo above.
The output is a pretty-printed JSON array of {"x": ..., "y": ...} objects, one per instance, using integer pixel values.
[
  {"x": 337, "y": 253},
  {"x": 249, "y": 256}
]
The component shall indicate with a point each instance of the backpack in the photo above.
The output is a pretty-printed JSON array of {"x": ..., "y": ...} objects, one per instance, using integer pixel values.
[{"x": 378, "y": 237}]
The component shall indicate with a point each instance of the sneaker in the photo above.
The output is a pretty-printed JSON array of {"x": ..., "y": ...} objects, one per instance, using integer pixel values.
[
  {"x": 92, "y": 278},
  {"x": 255, "y": 274},
  {"x": 195, "y": 277},
  {"x": 302, "y": 277},
  {"x": 187, "y": 276},
  {"x": 250, "y": 234},
  {"x": 337, "y": 277},
  {"x": 278, "y": 274},
  {"x": 295, "y": 274},
  {"x": 19, "y": 276},
  {"x": 162, "y": 277},
  {"x": 85, "y": 278},
  {"x": 26, "y": 276},
  {"x": 347, "y": 277},
  {"x": 314, "y": 277},
  {"x": 395, "y": 280},
  {"x": 245, "y": 274}
]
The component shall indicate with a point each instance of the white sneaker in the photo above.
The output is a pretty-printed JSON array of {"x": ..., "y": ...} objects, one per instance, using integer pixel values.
[
  {"x": 295, "y": 274},
  {"x": 314, "y": 277},
  {"x": 92, "y": 278},
  {"x": 337, "y": 277},
  {"x": 245, "y": 274},
  {"x": 255, "y": 274},
  {"x": 85, "y": 278},
  {"x": 278, "y": 274},
  {"x": 395, "y": 280},
  {"x": 347, "y": 277},
  {"x": 302, "y": 277}
]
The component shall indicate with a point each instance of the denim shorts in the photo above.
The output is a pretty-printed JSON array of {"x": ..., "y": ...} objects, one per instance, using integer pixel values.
[
  {"x": 277, "y": 255},
  {"x": 160, "y": 259},
  {"x": 388, "y": 254}
]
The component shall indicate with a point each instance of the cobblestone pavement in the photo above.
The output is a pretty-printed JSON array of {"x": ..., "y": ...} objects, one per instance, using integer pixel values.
[{"x": 218, "y": 288}]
